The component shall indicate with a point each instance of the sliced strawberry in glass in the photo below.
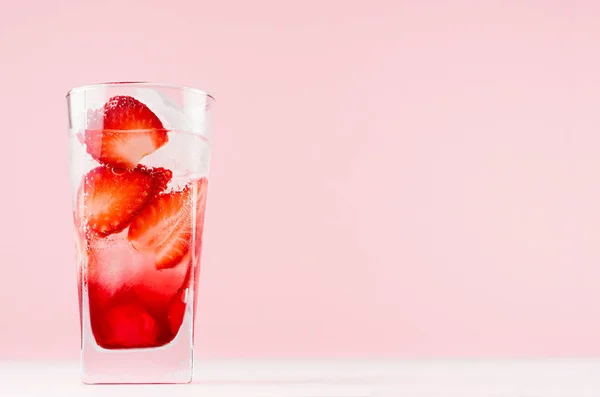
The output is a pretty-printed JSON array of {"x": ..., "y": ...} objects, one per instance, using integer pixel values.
[
  {"x": 163, "y": 228},
  {"x": 110, "y": 198},
  {"x": 123, "y": 132}
]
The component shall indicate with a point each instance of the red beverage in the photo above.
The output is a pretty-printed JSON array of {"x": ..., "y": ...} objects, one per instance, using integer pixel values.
[{"x": 140, "y": 189}]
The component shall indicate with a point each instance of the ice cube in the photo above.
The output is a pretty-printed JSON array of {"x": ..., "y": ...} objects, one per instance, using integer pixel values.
[
  {"x": 186, "y": 155},
  {"x": 156, "y": 288},
  {"x": 114, "y": 264},
  {"x": 188, "y": 115},
  {"x": 187, "y": 150}
]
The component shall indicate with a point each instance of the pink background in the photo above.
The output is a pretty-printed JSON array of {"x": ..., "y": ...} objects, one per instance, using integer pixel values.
[{"x": 389, "y": 178}]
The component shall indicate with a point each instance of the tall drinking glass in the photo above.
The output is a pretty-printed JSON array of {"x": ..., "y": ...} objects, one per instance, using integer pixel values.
[{"x": 139, "y": 166}]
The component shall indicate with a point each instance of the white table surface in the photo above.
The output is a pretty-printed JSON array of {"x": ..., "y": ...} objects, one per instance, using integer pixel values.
[{"x": 328, "y": 378}]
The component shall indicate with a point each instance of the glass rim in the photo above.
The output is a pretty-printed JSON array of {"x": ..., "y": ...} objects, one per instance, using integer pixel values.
[{"x": 146, "y": 84}]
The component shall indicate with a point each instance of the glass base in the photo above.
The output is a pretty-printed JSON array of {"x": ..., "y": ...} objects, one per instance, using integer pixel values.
[{"x": 171, "y": 363}]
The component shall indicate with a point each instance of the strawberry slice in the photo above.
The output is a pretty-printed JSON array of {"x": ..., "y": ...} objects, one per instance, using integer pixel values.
[
  {"x": 163, "y": 228},
  {"x": 162, "y": 176},
  {"x": 112, "y": 197},
  {"x": 123, "y": 132}
]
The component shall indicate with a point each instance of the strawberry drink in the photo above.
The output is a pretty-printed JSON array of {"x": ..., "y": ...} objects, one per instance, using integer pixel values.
[{"x": 139, "y": 167}]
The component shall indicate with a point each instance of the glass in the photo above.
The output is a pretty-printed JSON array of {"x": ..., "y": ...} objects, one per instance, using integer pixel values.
[{"x": 139, "y": 170}]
